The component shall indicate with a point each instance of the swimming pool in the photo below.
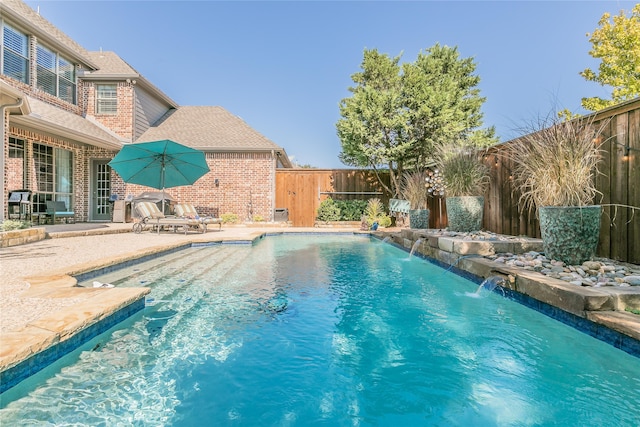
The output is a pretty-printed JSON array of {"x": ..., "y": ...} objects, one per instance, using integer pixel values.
[{"x": 327, "y": 330}]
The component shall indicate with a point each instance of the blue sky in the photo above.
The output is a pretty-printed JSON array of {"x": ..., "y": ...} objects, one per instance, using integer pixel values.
[{"x": 283, "y": 67}]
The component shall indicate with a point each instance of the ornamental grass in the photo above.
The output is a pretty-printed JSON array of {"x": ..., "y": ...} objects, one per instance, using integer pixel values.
[
  {"x": 413, "y": 188},
  {"x": 462, "y": 170},
  {"x": 556, "y": 162}
]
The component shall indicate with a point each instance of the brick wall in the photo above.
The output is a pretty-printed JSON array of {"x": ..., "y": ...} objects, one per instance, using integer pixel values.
[
  {"x": 246, "y": 183},
  {"x": 121, "y": 123},
  {"x": 82, "y": 156}
]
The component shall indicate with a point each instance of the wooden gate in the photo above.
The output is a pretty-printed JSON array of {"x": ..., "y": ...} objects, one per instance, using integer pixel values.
[{"x": 302, "y": 190}]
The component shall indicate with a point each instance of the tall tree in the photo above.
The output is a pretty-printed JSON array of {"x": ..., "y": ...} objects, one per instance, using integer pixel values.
[
  {"x": 373, "y": 127},
  {"x": 443, "y": 102},
  {"x": 617, "y": 43},
  {"x": 397, "y": 114}
]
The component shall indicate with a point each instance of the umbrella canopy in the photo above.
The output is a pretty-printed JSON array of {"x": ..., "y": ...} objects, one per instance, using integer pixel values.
[{"x": 159, "y": 164}]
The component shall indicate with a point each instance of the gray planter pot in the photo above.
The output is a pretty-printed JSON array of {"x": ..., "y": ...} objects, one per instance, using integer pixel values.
[
  {"x": 464, "y": 213},
  {"x": 569, "y": 233},
  {"x": 419, "y": 218}
]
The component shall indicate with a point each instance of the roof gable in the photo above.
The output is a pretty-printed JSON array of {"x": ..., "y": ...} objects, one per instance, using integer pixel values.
[{"x": 208, "y": 128}]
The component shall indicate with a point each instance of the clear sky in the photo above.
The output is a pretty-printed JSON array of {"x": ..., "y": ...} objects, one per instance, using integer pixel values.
[{"x": 283, "y": 67}]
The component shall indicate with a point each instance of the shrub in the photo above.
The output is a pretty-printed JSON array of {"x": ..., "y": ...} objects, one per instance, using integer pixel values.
[
  {"x": 10, "y": 225},
  {"x": 375, "y": 212},
  {"x": 258, "y": 218},
  {"x": 328, "y": 211},
  {"x": 229, "y": 218},
  {"x": 351, "y": 210}
]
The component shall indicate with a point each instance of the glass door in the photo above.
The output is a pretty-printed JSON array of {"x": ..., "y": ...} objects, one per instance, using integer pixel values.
[{"x": 101, "y": 185}]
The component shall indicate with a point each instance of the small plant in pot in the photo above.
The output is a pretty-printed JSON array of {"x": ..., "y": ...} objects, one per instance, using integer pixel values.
[
  {"x": 465, "y": 178},
  {"x": 414, "y": 190},
  {"x": 555, "y": 165}
]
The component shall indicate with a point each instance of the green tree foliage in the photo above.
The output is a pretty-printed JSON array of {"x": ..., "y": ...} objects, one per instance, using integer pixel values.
[
  {"x": 616, "y": 42},
  {"x": 373, "y": 127},
  {"x": 397, "y": 114}
]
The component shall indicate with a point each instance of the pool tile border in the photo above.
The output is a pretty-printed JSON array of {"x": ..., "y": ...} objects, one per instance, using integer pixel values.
[{"x": 37, "y": 362}]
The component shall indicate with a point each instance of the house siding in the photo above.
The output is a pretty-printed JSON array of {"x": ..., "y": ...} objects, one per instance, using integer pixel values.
[{"x": 148, "y": 110}]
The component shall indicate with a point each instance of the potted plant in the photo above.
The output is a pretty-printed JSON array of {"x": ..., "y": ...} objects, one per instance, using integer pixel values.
[
  {"x": 555, "y": 164},
  {"x": 465, "y": 178},
  {"x": 414, "y": 190}
]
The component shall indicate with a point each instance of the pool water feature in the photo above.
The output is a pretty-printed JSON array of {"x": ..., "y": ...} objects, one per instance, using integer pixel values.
[{"x": 326, "y": 330}]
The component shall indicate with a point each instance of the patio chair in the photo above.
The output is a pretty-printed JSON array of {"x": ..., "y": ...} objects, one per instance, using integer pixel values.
[
  {"x": 150, "y": 214},
  {"x": 185, "y": 210}
]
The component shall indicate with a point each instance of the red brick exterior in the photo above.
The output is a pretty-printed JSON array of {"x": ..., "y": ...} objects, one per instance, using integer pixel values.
[
  {"x": 246, "y": 186},
  {"x": 82, "y": 157},
  {"x": 122, "y": 123}
]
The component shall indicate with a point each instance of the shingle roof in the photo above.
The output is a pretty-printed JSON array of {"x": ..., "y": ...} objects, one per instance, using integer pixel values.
[
  {"x": 38, "y": 25},
  {"x": 208, "y": 128},
  {"x": 110, "y": 63},
  {"x": 44, "y": 115}
]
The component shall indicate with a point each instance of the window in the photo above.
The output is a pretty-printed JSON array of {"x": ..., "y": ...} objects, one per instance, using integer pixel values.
[
  {"x": 106, "y": 99},
  {"x": 56, "y": 75},
  {"x": 53, "y": 176},
  {"x": 16, "y": 148},
  {"x": 15, "y": 54}
]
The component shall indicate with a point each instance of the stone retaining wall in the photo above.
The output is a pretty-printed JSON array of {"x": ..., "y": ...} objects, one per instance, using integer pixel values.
[{"x": 20, "y": 237}]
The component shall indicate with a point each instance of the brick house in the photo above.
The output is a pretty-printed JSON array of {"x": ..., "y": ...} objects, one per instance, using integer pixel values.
[{"x": 66, "y": 112}]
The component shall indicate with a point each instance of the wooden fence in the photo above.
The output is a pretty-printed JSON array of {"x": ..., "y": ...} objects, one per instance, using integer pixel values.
[{"x": 301, "y": 191}]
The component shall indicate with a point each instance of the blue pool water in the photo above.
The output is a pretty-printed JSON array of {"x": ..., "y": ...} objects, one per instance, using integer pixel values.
[{"x": 331, "y": 331}]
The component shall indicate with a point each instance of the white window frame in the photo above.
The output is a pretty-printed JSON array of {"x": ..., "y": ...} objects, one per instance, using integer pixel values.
[
  {"x": 106, "y": 99},
  {"x": 61, "y": 70},
  {"x": 8, "y": 50}
]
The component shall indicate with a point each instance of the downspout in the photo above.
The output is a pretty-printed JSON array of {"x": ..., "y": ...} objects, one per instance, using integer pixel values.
[{"x": 3, "y": 108}]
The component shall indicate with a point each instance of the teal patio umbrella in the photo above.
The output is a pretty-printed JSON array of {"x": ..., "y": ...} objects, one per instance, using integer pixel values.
[{"x": 159, "y": 164}]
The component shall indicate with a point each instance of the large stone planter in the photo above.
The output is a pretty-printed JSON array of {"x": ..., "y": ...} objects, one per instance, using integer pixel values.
[
  {"x": 570, "y": 233},
  {"x": 419, "y": 218},
  {"x": 464, "y": 213}
]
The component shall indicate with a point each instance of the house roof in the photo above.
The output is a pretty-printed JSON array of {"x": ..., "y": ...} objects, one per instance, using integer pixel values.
[
  {"x": 210, "y": 128},
  {"x": 30, "y": 21},
  {"x": 109, "y": 63},
  {"x": 48, "y": 118},
  {"x": 113, "y": 67}
]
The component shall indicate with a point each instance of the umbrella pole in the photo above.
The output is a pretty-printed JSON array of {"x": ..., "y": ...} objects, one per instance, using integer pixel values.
[{"x": 162, "y": 178}]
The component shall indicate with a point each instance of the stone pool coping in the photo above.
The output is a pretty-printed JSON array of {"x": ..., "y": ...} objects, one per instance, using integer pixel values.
[
  {"x": 604, "y": 306},
  {"x": 99, "y": 305}
]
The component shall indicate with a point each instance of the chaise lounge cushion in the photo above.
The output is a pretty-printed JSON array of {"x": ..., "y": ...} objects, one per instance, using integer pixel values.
[{"x": 186, "y": 210}]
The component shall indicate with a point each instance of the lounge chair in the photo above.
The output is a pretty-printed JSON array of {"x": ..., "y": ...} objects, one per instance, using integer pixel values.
[
  {"x": 150, "y": 214},
  {"x": 188, "y": 211}
]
